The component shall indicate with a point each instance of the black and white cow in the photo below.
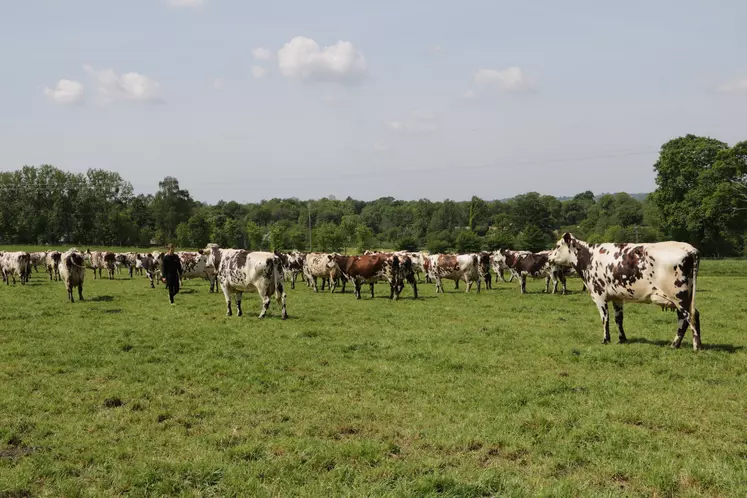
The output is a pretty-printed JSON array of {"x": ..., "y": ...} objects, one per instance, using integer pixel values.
[
  {"x": 454, "y": 267},
  {"x": 662, "y": 273},
  {"x": 242, "y": 271}
]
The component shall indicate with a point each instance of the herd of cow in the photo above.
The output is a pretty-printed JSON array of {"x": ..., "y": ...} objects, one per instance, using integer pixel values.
[{"x": 662, "y": 273}]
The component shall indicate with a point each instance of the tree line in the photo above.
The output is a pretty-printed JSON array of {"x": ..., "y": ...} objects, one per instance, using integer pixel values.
[{"x": 701, "y": 198}]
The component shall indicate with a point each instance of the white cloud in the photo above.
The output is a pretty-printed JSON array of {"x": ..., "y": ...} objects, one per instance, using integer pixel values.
[
  {"x": 66, "y": 92},
  {"x": 511, "y": 79},
  {"x": 735, "y": 86},
  {"x": 417, "y": 122},
  {"x": 262, "y": 54},
  {"x": 218, "y": 83},
  {"x": 341, "y": 63},
  {"x": 469, "y": 94},
  {"x": 258, "y": 71},
  {"x": 186, "y": 3},
  {"x": 128, "y": 86}
]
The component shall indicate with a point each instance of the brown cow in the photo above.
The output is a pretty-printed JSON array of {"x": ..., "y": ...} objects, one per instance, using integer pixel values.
[{"x": 371, "y": 268}]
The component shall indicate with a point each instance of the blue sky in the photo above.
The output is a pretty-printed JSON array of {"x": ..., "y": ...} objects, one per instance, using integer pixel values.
[{"x": 250, "y": 100}]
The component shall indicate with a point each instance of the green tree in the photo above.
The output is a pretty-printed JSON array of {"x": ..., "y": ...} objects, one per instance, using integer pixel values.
[
  {"x": 534, "y": 239},
  {"x": 363, "y": 237},
  {"x": 171, "y": 206},
  {"x": 467, "y": 241},
  {"x": 697, "y": 193},
  {"x": 407, "y": 243},
  {"x": 327, "y": 237},
  {"x": 499, "y": 239},
  {"x": 254, "y": 236}
]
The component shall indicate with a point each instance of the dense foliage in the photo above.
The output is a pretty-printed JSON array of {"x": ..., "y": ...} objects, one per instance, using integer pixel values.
[{"x": 701, "y": 198}]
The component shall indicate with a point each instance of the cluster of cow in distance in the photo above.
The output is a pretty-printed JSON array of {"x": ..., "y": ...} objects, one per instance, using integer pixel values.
[{"x": 662, "y": 273}]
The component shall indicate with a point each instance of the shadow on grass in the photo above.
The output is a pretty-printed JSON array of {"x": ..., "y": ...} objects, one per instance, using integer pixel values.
[
  {"x": 643, "y": 340},
  {"x": 101, "y": 299},
  {"x": 187, "y": 291},
  {"x": 729, "y": 348}
]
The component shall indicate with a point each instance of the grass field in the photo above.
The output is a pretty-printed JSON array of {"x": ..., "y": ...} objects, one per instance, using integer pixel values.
[{"x": 452, "y": 395}]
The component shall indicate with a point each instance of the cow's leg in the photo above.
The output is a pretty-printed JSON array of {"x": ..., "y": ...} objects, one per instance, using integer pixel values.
[
  {"x": 293, "y": 280},
  {"x": 313, "y": 281},
  {"x": 372, "y": 290},
  {"x": 561, "y": 277},
  {"x": 605, "y": 315},
  {"x": 344, "y": 282},
  {"x": 618, "y": 307},
  {"x": 80, "y": 291},
  {"x": 439, "y": 285},
  {"x": 280, "y": 298},
  {"x": 456, "y": 284},
  {"x": 239, "y": 312},
  {"x": 70, "y": 294},
  {"x": 695, "y": 326},
  {"x": 227, "y": 296},
  {"x": 265, "y": 303},
  {"x": 332, "y": 285},
  {"x": 357, "y": 289},
  {"x": 681, "y": 329},
  {"x": 469, "y": 284},
  {"x": 523, "y": 286}
]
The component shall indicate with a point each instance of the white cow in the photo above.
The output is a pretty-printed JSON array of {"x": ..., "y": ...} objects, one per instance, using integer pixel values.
[
  {"x": 52, "y": 262},
  {"x": 15, "y": 263},
  {"x": 454, "y": 267},
  {"x": 73, "y": 272},
  {"x": 242, "y": 271}
]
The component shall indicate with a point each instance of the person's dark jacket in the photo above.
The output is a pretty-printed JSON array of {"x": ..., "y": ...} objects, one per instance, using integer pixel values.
[{"x": 171, "y": 268}]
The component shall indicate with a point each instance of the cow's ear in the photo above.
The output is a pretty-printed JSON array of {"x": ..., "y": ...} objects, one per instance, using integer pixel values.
[{"x": 567, "y": 237}]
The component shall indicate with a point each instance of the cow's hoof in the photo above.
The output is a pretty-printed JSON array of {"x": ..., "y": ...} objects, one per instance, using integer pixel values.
[
  {"x": 605, "y": 341},
  {"x": 284, "y": 316},
  {"x": 622, "y": 340},
  {"x": 675, "y": 345}
]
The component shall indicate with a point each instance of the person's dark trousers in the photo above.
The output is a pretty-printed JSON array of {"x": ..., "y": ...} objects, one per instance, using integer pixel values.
[{"x": 172, "y": 283}]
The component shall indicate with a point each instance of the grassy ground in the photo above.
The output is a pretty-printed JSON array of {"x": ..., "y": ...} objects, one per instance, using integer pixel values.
[{"x": 457, "y": 395}]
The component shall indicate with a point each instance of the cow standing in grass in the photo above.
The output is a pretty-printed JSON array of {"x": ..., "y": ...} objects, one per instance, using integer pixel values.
[
  {"x": 52, "y": 262},
  {"x": 293, "y": 263},
  {"x": 454, "y": 267},
  {"x": 36, "y": 259},
  {"x": 73, "y": 272},
  {"x": 663, "y": 273},
  {"x": 242, "y": 271},
  {"x": 14, "y": 264},
  {"x": 375, "y": 267},
  {"x": 194, "y": 265},
  {"x": 150, "y": 264},
  {"x": 537, "y": 265},
  {"x": 100, "y": 260},
  {"x": 316, "y": 265}
]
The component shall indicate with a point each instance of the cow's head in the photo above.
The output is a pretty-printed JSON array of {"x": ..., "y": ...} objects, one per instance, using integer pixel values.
[
  {"x": 213, "y": 255},
  {"x": 566, "y": 251}
]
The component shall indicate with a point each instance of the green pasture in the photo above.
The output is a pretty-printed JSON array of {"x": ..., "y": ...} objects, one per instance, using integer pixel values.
[{"x": 490, "y": 394}]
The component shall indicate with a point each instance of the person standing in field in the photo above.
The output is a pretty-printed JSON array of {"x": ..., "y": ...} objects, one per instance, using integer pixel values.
[{"x": 171, "y": 271}]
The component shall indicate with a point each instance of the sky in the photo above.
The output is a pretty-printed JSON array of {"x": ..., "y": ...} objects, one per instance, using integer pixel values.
[{"x": 253, "y": 100}]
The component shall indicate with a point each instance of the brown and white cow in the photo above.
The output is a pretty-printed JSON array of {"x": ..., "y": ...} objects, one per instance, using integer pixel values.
[
  {"x": 375, "y": 267},
  {"x": 242, "y": 271},
  {"x": 194, "y": 265},
  {"x": 52, "y": 262},
  {"x": 15, "y": 263},
  {"x": 73, "y": 272},
  {"x": 100, "y": 260},
  {"x": 537, "y": 265},
  {"x": 662, "y": 273},
  {"x": 317, "y": 265},
  {"x": 454, "y": 267}
]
